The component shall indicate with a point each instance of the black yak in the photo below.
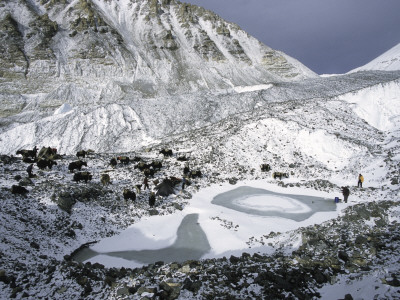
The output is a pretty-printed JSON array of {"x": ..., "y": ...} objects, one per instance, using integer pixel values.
[
  {"x": 86, "y": 176},
  {"x": 195, "y": 174},
  {"x": 20, "y": 190},
  {"x": 166, "y": 152},
  {"x": 44, "y": 163},
  {"x": 182, "y": 158},
  {"x": 265, "y": 167},
  {"x": 81, "y": 153},
  {"x": 142, "y": 166},
  {"x": 280, "y": 175},
  {"x": 76, "y": 165},
  {"x": 128, "y": 194},
  {"x": 113, "y": 162},
  {"x": 157, "y": 165},
  {"x": 28, "y": 153},
  {"x": 123, "y": 159}
]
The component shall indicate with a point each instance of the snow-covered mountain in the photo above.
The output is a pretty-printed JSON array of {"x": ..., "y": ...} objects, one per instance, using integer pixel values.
[
  {"x": 388, "y": 61},
  {"x": 117, "y": 49}
]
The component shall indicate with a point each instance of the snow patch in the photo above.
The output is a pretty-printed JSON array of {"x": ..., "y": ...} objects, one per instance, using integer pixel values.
[
  {"x": 63, "y": 109},
  {"x": 243, "y": 89}
]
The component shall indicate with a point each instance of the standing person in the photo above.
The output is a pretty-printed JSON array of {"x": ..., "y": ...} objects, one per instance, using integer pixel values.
[
  {"x": 152, "y": 199},
  {"x": 183, "y": 182},
  {"x": 146, "y": 183},
  {"x": 29, "y": 170},
  {"x": 346, "y": 193},
  {"x": 360, "y": 180},
  {"x": 35, "y": 150}
]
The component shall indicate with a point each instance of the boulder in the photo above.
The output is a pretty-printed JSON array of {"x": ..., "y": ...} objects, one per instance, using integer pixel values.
[{"x": 66, "y": 201}]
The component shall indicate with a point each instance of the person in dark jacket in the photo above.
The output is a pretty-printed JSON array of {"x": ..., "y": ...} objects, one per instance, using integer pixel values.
[
  {"x": 183, "y": 182},
  {"x": 29, "y": 170},
  {"x": 346, "y": 193},
  {"x": 146, "y": 183},
  {"x": 152, "y": 199}
]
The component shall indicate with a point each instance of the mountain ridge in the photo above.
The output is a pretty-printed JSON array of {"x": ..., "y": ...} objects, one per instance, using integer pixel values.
[{"x": 388, "y": 61}]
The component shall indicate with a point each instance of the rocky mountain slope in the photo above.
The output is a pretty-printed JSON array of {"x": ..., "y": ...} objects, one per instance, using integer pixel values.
[{"x": 115, "y": 59}]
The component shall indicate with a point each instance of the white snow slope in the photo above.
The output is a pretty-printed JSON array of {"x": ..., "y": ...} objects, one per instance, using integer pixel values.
[{"x": 388, "y": 61}]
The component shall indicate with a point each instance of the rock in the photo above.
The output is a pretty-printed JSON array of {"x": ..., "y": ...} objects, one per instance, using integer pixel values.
[
  {"x": 3, "y": 277},
  {"x": 35, "y": 245},
  {"x": 361, "y": 240},
  {"x": 146, "y": 290},
  {"x": 153, "y": 212},
  {"x": 348, "y": 297},
  {"x": 192, "y": 286},
  {"x": 177, "y": 206},
  {"x": 233, "y": 180},
  {"x": 173, "y": 289},
  {"x": 123, "y": 291},
  {"x": 343, "y": 256},
  {"x": 66, "y": 201},
  {"x": 25, "y": 182},
  {"x": 234, "y": 259}
]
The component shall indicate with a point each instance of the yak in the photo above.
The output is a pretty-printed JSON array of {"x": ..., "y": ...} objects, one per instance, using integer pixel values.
[
  {"x": 28, "y": 153},
  {"x": 142, "y": 166},
  {"x": 265, "y": 167},
  {"x": 149, "y": 172},
  {"x": 166, "y": 152},
  {"x": 113, "y": 162},
  {"x": 20, "y": 190},
  {"x": 86, "y": 176},
  {"x": 76, "y": 165},
  {"x": 182, "y": 158},
  {"x": 280, "y": 175},
  {"x": 105, "y": 179},
  {"x": 195, "y": 174},
  {"x": 48, "y": 153},
  {"x": 157, "y": 165},
  {"x": 186, "y": 170},
  {"x": 81, "y": 153},
  {"x": 44, "y": 163},
  {"x": 128, "y": 194},
  {"x": 123, "y": 159}
]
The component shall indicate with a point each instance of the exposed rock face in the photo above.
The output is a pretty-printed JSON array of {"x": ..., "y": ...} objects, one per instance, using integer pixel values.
[{"x": 154, "y": 47}]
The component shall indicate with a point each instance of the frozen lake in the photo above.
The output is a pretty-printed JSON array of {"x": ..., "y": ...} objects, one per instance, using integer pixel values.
[
  {"x": 201, "y": 229},
  {"x": 262, "y": 202}
]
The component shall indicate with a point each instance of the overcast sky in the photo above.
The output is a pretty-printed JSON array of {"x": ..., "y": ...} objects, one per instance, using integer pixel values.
[{"x": 328, "y": 36}]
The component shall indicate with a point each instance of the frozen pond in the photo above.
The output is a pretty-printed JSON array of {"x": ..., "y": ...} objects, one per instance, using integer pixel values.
[
  {"x": 191, "y": 243},
  {"x": 202, "y": 229},
  {"x": 262, "y": 202}
]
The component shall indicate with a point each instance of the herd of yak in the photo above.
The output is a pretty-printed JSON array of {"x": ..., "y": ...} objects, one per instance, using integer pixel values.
[{"x": 47, "y": 156}]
